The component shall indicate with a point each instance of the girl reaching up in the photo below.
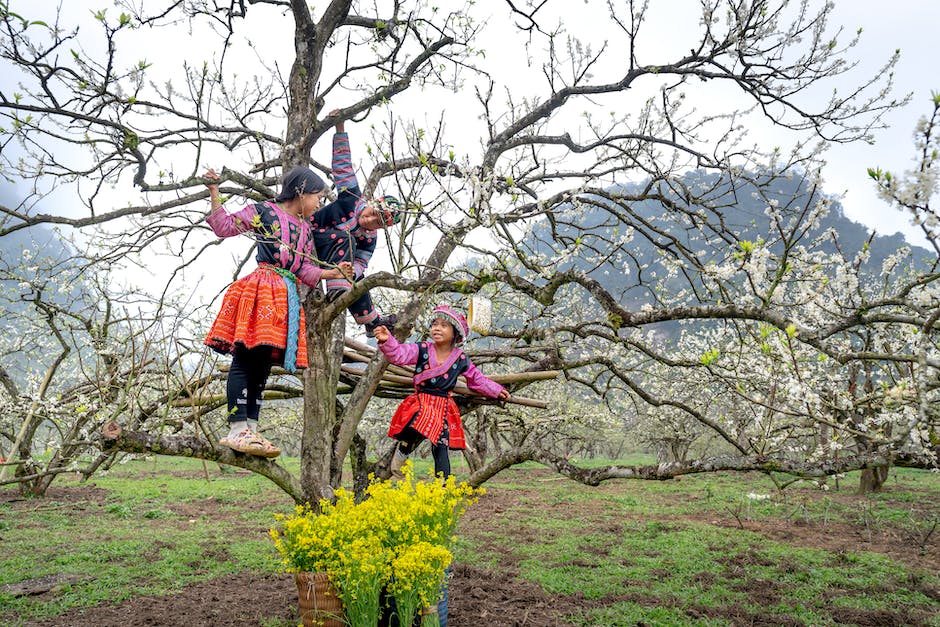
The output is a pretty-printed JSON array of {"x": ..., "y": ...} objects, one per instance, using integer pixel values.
[{"x": 261, "y": 321}]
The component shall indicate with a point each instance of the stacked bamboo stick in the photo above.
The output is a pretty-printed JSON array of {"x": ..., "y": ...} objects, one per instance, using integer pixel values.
[{"x": 395, "y": 379}]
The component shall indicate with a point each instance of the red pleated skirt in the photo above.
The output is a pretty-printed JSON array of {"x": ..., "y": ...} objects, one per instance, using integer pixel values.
[
  {"x": 254, "y": 313},
  {"x": 429, "y": 412}
]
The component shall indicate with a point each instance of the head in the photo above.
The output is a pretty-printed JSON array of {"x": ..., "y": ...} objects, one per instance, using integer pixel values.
[
  {"x": 380, "y": 214},
  {"x": 303, "y": 185},
  {"x": 449, "y": 322}
]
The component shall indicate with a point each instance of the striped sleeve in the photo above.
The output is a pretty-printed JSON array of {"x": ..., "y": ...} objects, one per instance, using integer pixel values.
[
  {"x": 365, "y": 246},
  {"x": 344, "y": 177}
]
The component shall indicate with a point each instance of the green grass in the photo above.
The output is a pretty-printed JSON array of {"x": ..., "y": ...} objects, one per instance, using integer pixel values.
[
  {"x": 145, "y": 538},
  {"x": 680, "y": 569},
  {"x": 659, "y": 553}
]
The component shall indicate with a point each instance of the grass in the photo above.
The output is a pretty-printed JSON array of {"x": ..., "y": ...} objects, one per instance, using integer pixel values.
[
  {"x": 661, "y": 553},
  {"x": 680, "y": 571}
]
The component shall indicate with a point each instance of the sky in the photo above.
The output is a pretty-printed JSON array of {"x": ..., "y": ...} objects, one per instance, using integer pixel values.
[
  {"x": 906, "y": 24},
  {"x": 911, "y": 26}
]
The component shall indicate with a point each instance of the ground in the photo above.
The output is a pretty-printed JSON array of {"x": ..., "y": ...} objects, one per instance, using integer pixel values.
[{"x": 480, "y": 596}]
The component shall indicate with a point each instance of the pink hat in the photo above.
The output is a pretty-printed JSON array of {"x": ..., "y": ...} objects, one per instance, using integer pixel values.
[{"x": 456, "y": 319}]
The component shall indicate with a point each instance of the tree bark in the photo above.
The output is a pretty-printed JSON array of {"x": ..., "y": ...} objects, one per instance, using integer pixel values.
[
  {"x": 321, "y": 378},
  {"x": 873, "y": 479},
  {"x": 115, "y": 438}
]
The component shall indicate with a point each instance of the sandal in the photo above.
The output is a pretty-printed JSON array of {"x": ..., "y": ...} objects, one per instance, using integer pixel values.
[{"x": 250, "y": 443}]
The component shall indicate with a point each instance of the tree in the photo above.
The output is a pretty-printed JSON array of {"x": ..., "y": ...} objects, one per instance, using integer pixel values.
[{"x": 516, "y": 203}]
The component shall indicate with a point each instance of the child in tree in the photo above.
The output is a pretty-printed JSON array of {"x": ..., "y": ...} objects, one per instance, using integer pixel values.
[
  {"x": 431, "y": 412},
  {"x": 261, "y": 321},
  {"x": 346, "y": 230}
]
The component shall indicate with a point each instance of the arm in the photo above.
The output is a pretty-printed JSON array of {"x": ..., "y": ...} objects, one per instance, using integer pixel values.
[
  {"x": 341, "y": 213},
  {"x": 398, "y": 354},
  {"x": 223, "y": 224},
  {"x": 478, "y": 382},
  {"x": 344, "y": 177},
  {"x": 311, "y": 274}
]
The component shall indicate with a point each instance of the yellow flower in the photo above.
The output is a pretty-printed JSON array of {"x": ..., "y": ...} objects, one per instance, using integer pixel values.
[{"x": 397, "y": 536}]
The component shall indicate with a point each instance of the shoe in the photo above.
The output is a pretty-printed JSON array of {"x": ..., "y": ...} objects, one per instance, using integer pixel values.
[
  {"x": 388, "y": 322},
  {"x": 250, "y": 443},
  {"x": 398, "y": 462}
]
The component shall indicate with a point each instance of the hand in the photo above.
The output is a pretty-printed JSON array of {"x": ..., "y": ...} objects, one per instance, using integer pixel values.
[
  {"x": 341, "y": 125},
  {"x": 346, "y": 268},
  {"x": 381, "y": 334},
  {"x": 212, "y": 176},
  {"x": 503, "y": 395},
  {"x": 343, "y": 271}
]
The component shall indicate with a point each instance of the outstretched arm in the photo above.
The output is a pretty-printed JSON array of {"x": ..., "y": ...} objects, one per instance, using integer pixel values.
[
  {"x": 222, "y": 223},
  {"x": 479, "y": 382},
  {"x": 398, "y": 354},
  {"x": 342, "y": 213}
]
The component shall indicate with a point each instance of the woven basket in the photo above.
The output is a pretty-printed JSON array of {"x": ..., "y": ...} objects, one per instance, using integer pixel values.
[
  {"x": 320, "y": 605},
  {"x": 429, "y": 616},
  {"x": 480, "y": 315}
]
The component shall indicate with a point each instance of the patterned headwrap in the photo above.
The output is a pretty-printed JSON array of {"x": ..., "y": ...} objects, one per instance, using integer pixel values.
[
  {"x": 456, "y": 320},
  {"x": 299, "y": 180},
  {"x": 387, "y": 208}
]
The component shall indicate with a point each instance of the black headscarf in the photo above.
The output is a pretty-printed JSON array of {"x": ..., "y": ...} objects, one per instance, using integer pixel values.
[{"x": 299, "y": 180}]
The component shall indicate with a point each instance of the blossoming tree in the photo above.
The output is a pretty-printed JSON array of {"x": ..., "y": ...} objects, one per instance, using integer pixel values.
[{"x": 540, "y": 164}]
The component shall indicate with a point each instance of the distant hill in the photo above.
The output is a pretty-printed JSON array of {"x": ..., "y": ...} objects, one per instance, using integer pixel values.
[
  {"x": 46, "y": 253},
  {"x": 741, "y": 210}
]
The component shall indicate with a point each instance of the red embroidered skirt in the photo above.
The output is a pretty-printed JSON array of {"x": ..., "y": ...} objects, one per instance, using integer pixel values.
[
  {"x": 429, "y": 412},
  {"x": 254, "y": 313}
]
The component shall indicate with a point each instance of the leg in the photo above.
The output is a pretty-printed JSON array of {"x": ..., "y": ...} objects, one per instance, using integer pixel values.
[
  {"x": 246, "y": 379},
  {"x": 408, "y": 441},
  {"x": 257, "y": 379},
  {"x": 238, "y": 384},
  {"x": 441, "y": 453}
]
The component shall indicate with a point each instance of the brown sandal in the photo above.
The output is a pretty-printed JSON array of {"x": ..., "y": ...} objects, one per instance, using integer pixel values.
[{"x": 250, "y": 443}]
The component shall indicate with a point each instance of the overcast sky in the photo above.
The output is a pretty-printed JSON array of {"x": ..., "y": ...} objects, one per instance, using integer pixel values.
[{"x": 906, "y": 24}]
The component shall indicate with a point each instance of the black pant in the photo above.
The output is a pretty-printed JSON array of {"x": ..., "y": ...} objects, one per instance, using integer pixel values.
[
  {"x": 246, "y": 380},
  {"x": 411, "y": 438}
]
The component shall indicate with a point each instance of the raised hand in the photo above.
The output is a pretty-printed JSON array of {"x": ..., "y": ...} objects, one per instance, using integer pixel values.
[{"x": 381, "y": 334}]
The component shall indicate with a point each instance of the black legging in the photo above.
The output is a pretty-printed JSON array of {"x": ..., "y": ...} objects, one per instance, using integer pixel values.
[
  {"x": 411, "y": 438},
  {"x": 246, "y": 380}
]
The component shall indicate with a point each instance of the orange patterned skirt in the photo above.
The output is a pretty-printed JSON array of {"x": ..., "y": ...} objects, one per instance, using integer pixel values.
[
  {"x": 426, "y": 414},
  {"x": 254, "y": 313}
]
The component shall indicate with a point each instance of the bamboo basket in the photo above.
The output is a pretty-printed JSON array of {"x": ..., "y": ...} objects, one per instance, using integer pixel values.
[{"x": 320, "y": 605}]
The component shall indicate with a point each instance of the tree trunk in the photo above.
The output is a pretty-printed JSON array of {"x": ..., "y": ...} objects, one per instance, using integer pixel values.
[
  {"x": 361, "y": 467},
  {"x": 872, "y": 479},
  {"x": 324, "y": 352}
]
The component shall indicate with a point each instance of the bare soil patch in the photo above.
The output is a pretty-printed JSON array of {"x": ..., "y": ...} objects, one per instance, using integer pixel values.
[{"x": 484, "y": 596}]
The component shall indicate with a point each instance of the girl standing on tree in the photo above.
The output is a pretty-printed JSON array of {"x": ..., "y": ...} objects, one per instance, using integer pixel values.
[
  {"x": 431, "y": 412},
  {"x": 261, "y": 321}
]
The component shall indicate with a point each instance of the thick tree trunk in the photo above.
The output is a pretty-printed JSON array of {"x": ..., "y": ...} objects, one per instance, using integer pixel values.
[
  {"x": 361, "y": 467},
  {"x": 873, "y": 479},
  {"x": 321, "y": 378}
]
